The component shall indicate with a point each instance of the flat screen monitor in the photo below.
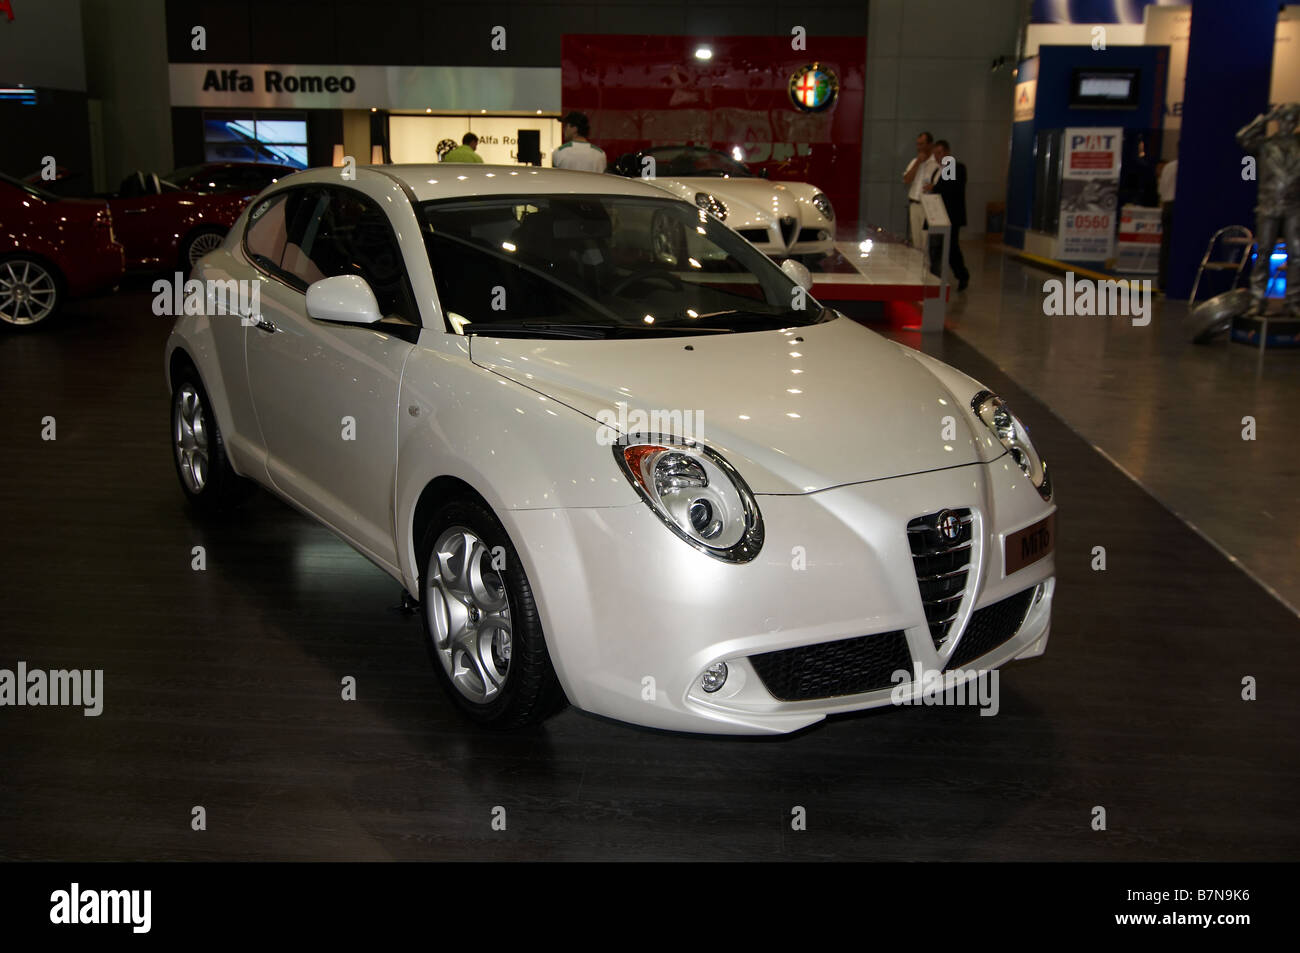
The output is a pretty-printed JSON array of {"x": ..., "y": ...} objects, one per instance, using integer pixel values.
[{"x": 1110, "y": 88}]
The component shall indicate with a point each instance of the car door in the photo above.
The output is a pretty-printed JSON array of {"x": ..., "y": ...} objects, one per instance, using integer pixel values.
[
  {"x": 147, "y": 219},
  {"x": 326, "y": 394}
]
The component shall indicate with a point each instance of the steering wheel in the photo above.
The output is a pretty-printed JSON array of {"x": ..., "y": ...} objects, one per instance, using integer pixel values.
[{"x": 649, "y": 274}]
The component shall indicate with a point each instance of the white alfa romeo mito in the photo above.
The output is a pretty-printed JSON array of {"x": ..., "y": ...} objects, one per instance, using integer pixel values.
[{"x": 682, "y": 494}]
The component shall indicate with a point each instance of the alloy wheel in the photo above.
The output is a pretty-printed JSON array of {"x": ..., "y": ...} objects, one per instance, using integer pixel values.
[
  {"x": 469, "y": 614},
  {"x": 190, "y": 431},
  {"x": 28, "y": 292},
  {"x": 202, "y": 244}
]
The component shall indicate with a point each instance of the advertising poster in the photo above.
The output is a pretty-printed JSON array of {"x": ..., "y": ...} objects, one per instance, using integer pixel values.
[
  {"x": 1139, "y": 240},
  {"x": 1089, "y": 193}
]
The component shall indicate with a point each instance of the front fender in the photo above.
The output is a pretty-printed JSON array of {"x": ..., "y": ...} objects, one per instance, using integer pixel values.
[
  {"x": 215, "y": 345},
  {"x": 517, "y": 448}
]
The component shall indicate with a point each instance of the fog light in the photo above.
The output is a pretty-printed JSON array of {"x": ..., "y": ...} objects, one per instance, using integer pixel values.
[{"x": 714, "y": 677}]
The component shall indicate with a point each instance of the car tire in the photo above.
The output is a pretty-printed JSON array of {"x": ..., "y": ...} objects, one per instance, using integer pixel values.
[
  {"x": 499, "y": 675},
  {"x": 197, "y": 244},
  {"x": 31, "y": 291},
  {"x": 1214, "y": 317},
  {"x": 199, "y": 451}
]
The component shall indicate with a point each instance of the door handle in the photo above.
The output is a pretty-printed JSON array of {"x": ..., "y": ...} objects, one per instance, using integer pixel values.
[{"x": 263, "y": 323}]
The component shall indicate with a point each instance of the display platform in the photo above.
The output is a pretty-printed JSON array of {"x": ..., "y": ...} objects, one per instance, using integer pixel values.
[
  {"x": 873, "y": 270},
  {"x": 1269, "y": 331}
]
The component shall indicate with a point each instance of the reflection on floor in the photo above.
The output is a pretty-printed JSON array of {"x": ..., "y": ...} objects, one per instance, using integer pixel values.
[
  {"x": 222, "y": 686},
  {"x": 1167, "y": 412}
]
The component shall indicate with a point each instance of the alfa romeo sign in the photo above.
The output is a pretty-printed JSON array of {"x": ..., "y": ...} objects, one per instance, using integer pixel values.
[{"x": 813, "y": 87}]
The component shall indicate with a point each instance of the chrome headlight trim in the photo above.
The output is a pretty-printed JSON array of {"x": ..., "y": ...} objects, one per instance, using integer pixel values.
[
  {"x": 712, "y": 204},
  {"x": 994, "y": 413},
  {"x": 674, "y": 464},
  {"x": 823, "y": 205}
]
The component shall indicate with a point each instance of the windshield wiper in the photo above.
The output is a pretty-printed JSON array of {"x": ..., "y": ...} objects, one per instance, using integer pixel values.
[
  {"x": 736, "y": 320},
  {"x": 558, "y": 330},
  {"x": 529, "y": 329}
]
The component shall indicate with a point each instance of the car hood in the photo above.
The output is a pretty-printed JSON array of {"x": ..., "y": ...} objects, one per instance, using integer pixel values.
[
  {"x": 860, "y": 407},
  {"x": 751, "y": 202}
]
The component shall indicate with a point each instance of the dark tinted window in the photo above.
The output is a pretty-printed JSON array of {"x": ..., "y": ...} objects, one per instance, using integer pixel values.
[{"x": 612, "y": 261}]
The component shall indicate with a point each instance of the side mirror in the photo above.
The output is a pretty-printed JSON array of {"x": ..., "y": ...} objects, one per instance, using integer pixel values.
[
  {"x": 346, "y": 299},
  {"x": 798, "y": 273}
]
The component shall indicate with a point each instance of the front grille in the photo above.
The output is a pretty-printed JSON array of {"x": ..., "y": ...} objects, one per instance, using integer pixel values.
[
  {"x": 788, "y": 228},
  {"x": 990, "y": 627},
  {"x": 810, "y": 234},
  {"x": 942, "y": 565},
  {"x": 754, "y": 234},
  {"x": 844, "y": 667}
]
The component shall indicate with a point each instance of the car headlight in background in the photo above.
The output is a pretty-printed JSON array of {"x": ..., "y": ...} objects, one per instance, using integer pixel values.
[
  {"x": 698, "y": 495},
  {"x": 824, "y": 206},
  {"x": 1011, "y": 433},
  {"x": 712, "y": 204}
]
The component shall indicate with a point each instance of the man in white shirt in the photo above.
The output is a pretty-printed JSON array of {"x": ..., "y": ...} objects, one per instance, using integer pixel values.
[
  {"x": 919, "y": 171},
  {"x": 577, "y": 152},
  {"x": 1168, "y": 182}
]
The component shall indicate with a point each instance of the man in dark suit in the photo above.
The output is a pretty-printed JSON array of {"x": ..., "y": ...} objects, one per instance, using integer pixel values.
[{"x": 949, "y": 182}]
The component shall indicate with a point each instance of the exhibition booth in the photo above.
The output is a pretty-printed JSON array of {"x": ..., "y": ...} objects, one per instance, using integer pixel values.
[{"x": 1099, "y": 109}]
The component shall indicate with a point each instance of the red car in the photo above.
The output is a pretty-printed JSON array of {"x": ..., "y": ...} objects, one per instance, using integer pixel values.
[
  {"x": 161, "y": 225},
  {"x": 51, "y": 248},
  {"x": 246, "y": 178}
]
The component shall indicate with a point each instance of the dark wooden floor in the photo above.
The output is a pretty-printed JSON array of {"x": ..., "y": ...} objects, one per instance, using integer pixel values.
[{"x": 222, "y": 687}]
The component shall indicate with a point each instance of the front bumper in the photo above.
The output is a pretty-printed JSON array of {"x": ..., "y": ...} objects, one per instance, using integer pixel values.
[
  {"x": 633, "y": 615},
  {"x": 803, "y": 240}
]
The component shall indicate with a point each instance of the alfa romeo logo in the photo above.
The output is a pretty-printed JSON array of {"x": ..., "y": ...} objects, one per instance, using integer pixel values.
[
  {"x": 949, "y": 526},
  {"x": 813, "y": 87}
]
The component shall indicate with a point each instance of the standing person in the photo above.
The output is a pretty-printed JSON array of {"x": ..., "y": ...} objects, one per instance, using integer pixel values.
[
  {"x": 953, "y": 192},
  {"x": 916, "y": 174},
  {"x": 577, "y": 152},
  {"x": 467, "y": 151},
  {"x": 1168, "y": 185}
]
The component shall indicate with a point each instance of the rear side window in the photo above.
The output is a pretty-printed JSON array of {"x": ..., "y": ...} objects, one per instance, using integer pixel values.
[{"x": 265, "y": 237}]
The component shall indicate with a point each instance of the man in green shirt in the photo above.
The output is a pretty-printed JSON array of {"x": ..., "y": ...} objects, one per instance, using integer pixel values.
[{"x": 465, "y": 151}]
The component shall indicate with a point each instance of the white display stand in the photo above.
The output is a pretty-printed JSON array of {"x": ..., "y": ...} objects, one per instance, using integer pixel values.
[
  {"x": 938, "y": 226},
  {"x": 1139, "y": 240}
]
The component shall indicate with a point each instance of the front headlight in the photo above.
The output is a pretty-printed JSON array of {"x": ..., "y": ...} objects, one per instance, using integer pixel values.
[
  {"x": 698, "y": 495},
  {"x": 712, "y": 204},
  {"x": 824, "y": 206},
  {"x": 1011, "y": 433}
]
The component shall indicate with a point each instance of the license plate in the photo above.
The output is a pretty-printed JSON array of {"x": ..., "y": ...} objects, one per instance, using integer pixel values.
[{"x": 1026, "y": 546}]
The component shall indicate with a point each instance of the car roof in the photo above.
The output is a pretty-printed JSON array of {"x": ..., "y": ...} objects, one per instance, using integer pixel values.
[{"x": 455, "y": 180}]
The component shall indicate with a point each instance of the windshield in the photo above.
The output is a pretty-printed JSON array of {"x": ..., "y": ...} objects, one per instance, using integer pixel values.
[
  {"x": 29, "y": 188},
  {"x": 612, "y": 264},
  {"x": 683, "y": 162}
]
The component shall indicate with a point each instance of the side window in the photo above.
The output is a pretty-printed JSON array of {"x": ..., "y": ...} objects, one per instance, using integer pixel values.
[
  {"x": 264, "y": 238},
  {"x": 304, "y": 210},
  {"x": 343, "y": 232}
]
